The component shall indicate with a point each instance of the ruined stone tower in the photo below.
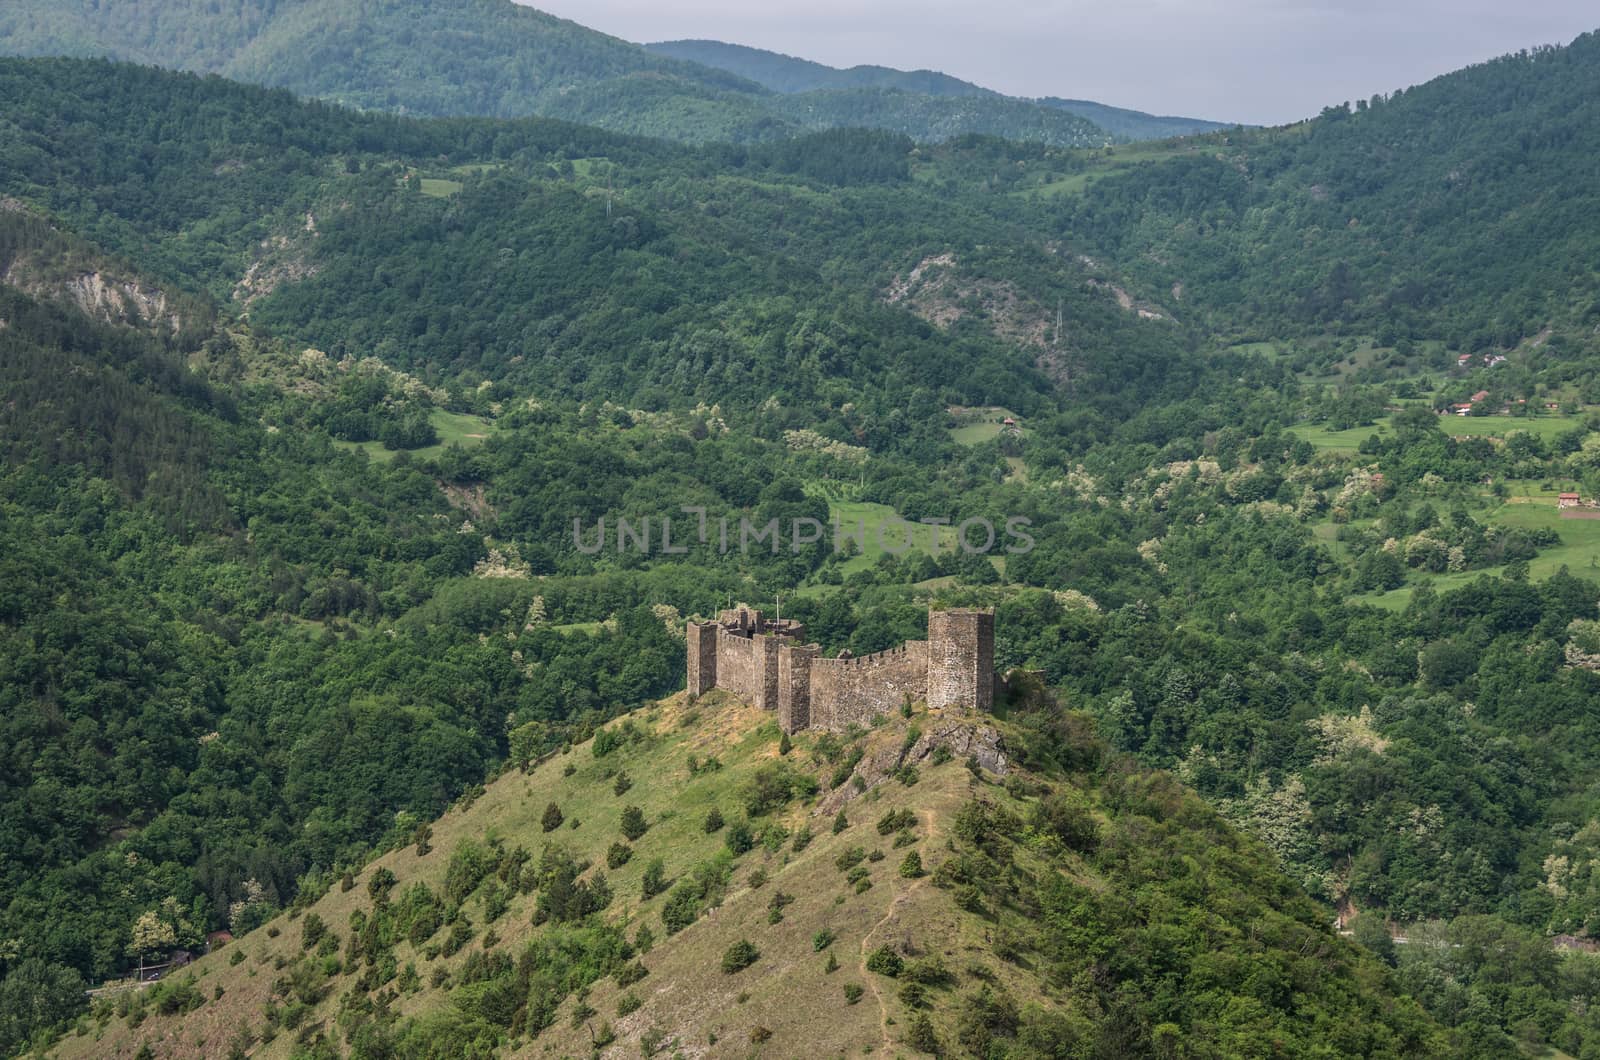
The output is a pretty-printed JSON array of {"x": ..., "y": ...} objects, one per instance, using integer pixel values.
[
  {"x": 961, "y": 660},
  {"x": 767, "y": 664}
]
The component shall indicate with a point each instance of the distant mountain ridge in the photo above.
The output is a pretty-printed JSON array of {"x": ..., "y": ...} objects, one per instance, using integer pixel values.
[
  {"x": 498, "y": 59},
  {"x": 790, "y": 75}
]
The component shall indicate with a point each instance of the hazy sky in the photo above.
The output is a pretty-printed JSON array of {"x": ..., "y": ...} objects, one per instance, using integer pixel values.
[{"x": 1262, "y": 61}]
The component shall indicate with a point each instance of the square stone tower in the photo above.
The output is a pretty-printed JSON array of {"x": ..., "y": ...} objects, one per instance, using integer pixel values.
[{"x": 961, "y": 661}]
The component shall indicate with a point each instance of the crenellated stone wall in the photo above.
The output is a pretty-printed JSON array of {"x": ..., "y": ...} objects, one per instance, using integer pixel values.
[
  {"x": 766, "y": 664},
  {"x": 849, "y": 690}
]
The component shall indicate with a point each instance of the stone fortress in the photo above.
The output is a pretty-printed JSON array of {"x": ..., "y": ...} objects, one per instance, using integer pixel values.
[{"x": 767, "y": 663}]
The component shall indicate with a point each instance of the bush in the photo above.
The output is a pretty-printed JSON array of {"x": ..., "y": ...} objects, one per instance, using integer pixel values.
[
  {"x": 552, "y": 818},
  {"x": 714, "y": 821},
  {"x": 740, "y": 838},
  {"x": 311, "y": 931},
  {"x": 911, "y": 867},
  {"x": 832, "y": 964},
  {"x": 885, "y": 961},
  {"x": 627, "y": 1005},
  {"x": 633, "y": 822},
  {"x": 655, "y": 878},
  {"x": 622, "y": 784},
  {"x": 850, "y": 858},
  {"x": 920, "y": 1035},
  {"x": 822, "y": 940},
  {"x": 618, "y": 855},
  {"x": 785, "y": 745},
  {"x": 896, "y": 821},
  {"x": 629, "y": 974},
  {"x": 852, "y": 993},
  {"x": 802, "y": 839},
  {"x": 739, "y": 956},
  {"x": 840, "y": 822}
]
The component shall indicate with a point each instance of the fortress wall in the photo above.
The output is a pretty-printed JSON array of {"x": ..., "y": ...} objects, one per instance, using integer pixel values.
[
  {"x": 845, "y": 691},
  {"x": 736, "y": 665},
  {"x": 748, "y": 667}
]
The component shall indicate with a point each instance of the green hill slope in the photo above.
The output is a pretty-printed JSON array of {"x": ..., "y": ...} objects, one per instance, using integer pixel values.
[
  {"x": 1462, "y": 209},
  {"x": 1068, "y": 906}
]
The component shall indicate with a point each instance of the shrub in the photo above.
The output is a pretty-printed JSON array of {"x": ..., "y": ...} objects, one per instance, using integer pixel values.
[
  {"x": 772, "y": 785},
  {"x": 802, "y": 839},
  {"x": 852, "y": 993},
  {"x": 885, "y": 961},
  {"x": 739, "y": 956},
  {"x": 655, "y": 878},
  {"x": 381, "y": 883},
  {"x": 311, "y": 931},
  {"x": 627, "y": 1005},
  {"x": 740, "y": 838},
  {"x": 914, "y": 995},
  {"x": 623, "y": 783},
  {"x": 832, "y": 964},
  {"x": 850, "y": 858},
  {"x": 896, "y": 821},
  {"x": 714, "y": 821},
  {"x": 911, "y": 867},
  {"x": 920, "y": 1035},
  {"x": 822, "y": 940},
  {"x": 633, "y": 822},
  {"x": 757, "y": 878},
  {"x": 644, "y": 939},
  {"x": 552, "y": 818},
  {"x": 618, "y": 855},
  {"x": 759, "y": 1034},
  {"x": 840, "y": 822},
  {"x": 631, "y": 973}
]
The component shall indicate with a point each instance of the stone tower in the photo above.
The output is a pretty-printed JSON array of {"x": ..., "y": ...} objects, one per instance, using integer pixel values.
[
  {"x": 702, "y": 657},
  {"x": 961, "y": 660}
]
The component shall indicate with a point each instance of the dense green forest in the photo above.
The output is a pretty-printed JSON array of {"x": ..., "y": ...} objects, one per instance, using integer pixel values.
[{"x": 301, "y": 403}]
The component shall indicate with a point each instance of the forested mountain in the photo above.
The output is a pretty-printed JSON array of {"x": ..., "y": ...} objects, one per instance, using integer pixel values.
[
  {"x": 296, "y": 570},
  {"x": 487, "y": 58},
  {"x": 1460, "y": 209},
  {"x": 786, "y": 74}
]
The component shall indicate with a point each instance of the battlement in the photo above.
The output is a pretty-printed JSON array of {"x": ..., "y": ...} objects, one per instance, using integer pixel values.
[{"x": 766, "y": 663}]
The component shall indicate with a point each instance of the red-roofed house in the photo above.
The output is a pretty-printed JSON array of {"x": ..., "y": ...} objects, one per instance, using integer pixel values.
[{"x": 1567, "y": 500}]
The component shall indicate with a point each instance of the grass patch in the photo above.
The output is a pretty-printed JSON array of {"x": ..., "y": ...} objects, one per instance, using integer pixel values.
[
  {"x": 455, "y": 428},
  {"x": 438, "y": 188}
]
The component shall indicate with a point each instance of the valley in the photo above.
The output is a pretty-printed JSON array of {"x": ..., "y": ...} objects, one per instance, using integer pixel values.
[{"x": 302, "y": 397}]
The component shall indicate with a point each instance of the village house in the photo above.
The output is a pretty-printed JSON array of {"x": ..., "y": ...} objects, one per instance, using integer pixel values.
[{"x": 1568, "y": 500}]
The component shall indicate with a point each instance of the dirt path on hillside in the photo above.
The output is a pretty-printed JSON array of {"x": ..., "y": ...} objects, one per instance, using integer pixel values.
[{"x": 929, "y": 819}]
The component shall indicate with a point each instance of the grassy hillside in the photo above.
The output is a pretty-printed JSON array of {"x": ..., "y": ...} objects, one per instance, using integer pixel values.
[{"x": 1049, "y": 900}]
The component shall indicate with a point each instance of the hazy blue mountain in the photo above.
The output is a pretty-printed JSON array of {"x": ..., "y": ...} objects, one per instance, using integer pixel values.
[
  {"x": 495, "y": 58},
  {"x": 785, "y": 73},
  {"x": 790, "y": 75}
]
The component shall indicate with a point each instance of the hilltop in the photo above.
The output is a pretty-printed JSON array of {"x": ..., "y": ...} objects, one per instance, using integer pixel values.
[{"x": 929, "y": 885}]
